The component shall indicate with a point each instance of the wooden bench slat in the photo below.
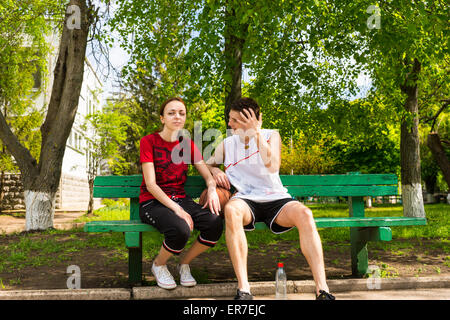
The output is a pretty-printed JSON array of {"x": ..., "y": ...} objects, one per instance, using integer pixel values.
[
  {"x": 116, "y": 192},
  {"x": 133, "y": 180},
  {"x": 138, "y": 226},
  {"x": 118, "y": 226},
  {"x": 300, "y": 191},
  {"x": 342, "y": 191},
  {"x": 136, "y": 181},
  {"x": 303, "y": 180},
  {"x": 133, "y": 192},
  {"x": 369, "y": 222},
  {"x": 194, "y": 191},
  {"x": 339, "y": 179}
]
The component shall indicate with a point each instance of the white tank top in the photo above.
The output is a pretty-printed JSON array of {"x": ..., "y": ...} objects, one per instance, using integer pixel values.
[{"x": 247, "y": 173}]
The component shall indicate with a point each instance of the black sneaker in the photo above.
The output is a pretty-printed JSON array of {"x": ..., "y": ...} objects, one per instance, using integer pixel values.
[
  {"x": 325, "y": 296},
  {"x": 240, "y": 295}
]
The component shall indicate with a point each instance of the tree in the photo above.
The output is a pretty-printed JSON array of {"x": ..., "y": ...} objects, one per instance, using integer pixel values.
[
  {"x": 434, "y": 142},
  {"x": 106, "y": 130},
  {"x": 400, "y": 43},
  {"x": 301, "y": 56},
  {"x": 356, "y": 135},
  {"x": 22, "y": 57},
  {"x": 410, "y": 44},
  {"x": 303, "y": 156},
  {"x": 41, "y": 177},
  {"x": 204, "y": 46}
]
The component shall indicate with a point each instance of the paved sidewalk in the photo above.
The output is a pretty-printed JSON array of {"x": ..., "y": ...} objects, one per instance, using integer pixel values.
[{"x": 414, "y": 294}]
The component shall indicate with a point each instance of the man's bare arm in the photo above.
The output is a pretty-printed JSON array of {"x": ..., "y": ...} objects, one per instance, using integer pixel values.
[{"x": 214, "y": 162}]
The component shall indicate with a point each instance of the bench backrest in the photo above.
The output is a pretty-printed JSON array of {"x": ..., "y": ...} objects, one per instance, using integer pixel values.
[{"x": 344, "y": 185}]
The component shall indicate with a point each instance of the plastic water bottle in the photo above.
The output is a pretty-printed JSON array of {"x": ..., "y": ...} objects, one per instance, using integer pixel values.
[{"x": 280, "y": 283}]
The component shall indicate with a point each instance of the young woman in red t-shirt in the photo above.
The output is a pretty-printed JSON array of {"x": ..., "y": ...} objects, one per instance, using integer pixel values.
[{"x": 163, "y": 201}]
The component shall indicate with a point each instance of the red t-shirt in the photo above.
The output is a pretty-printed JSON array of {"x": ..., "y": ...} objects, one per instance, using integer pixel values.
[{"x": 170, "y": 173}]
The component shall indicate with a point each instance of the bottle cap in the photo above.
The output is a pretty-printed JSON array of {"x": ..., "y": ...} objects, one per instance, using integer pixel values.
[{"x": 280, "y": 265}]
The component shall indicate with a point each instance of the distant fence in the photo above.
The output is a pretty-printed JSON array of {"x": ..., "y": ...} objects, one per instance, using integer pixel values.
[
  {"x": 434, "y": 198},
  {"x": 379, "y": 200},
  {"x": 72, "y": 194}
]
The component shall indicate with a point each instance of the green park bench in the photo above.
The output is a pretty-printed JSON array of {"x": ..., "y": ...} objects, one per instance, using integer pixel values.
[{"x": 353, "y": 186}]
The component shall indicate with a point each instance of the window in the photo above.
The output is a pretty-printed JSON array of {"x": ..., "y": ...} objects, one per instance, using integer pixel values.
[
  {"x": 69, "y": 139},
  {"x": 90, "y": 106},
  {"x": 37, "y": 76}
]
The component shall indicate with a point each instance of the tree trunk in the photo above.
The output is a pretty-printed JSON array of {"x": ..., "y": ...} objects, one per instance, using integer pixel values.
[
  {"x": 435, "y": 145},
  {"x": 91, "y": 197},
  {"x": 234, "y": 44},
  {"x": 40, "y": 209},
  {"x": 430, "y": 186},
  {"x": 409, "y": 148},
  {"x": 41, "y": 180},
  {"x": 2, "y": 193}
]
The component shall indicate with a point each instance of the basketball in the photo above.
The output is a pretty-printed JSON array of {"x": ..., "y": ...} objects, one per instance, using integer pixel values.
[{"x": 224, "y": 196}]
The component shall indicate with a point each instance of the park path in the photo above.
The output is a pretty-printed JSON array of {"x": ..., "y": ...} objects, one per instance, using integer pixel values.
[{"x": 63, "y": 220}]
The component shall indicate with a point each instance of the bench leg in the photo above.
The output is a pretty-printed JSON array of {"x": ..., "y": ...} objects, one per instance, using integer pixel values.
[
  {"x": 135, "y": 266},
  {"x": 359, "y": 238},
  {"x": 360, "y": 257},
  {"x": 133, "y": 241}
]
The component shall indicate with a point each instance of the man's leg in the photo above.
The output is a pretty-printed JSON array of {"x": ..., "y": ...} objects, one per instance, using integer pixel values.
[
  {"x": 296, "y": 214},
  {"x": 237, "y": 215}
]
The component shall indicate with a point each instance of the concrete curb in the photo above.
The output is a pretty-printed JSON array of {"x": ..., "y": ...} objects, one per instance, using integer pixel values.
[
  {"x": 373, "y": 284},
  {"x": 67, "y": 294},
  {"x": 228, "y": 290}
]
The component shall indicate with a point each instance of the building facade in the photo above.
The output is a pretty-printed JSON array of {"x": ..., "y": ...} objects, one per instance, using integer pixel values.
[{"x": 73, "y": 193}]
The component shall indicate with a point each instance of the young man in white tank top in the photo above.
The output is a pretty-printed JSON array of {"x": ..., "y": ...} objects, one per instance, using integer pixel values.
[{"x": 251, "y": 158}]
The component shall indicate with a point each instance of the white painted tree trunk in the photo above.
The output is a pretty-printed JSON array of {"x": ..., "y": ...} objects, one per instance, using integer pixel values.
[
  {"x": 430, "y": 198},
  {"x": 369, "y": 202},
  {"x": 40, "y": 209},
  {"x": 413, "y": 200}
]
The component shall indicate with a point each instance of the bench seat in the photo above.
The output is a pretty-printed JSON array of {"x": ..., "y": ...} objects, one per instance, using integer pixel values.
[{"x": 138, "y": 226}]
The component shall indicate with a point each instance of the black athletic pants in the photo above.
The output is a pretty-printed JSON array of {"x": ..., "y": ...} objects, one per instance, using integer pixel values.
[{"x": 175, "y": 229}]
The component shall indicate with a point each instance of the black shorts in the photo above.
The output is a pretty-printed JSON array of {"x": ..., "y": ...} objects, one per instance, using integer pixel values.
[
  {"x": 267, "y": 212},
  {"x": 175, "y": 229}
]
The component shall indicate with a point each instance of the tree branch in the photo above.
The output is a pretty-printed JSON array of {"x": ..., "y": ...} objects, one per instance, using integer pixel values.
[
  {"x": 434, "y": 118},
  {"x": 23, "y": 157}
]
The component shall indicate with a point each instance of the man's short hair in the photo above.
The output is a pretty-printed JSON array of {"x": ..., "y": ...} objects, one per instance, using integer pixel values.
[{"x": 246, "y": 103}]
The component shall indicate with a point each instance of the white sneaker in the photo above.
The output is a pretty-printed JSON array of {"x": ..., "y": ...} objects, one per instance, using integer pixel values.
[
  {"x": 186, "y": 279},
  {"x": 163, "y": 277}
]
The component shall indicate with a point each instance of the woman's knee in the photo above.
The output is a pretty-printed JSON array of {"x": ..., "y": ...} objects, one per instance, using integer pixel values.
[
  {"x": 214, "y": 230},
  {"x": 179, "y": 234},
  {"x": 217, "y": 224}
]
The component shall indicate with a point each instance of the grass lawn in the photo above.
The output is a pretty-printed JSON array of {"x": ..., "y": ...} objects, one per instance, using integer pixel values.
[{"x": 20, "y": 252}]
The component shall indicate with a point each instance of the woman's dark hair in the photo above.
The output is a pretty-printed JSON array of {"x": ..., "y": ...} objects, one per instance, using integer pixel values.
[
  {"x": 165, "y": 103},
  {"x": 246, "y": 103}
]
